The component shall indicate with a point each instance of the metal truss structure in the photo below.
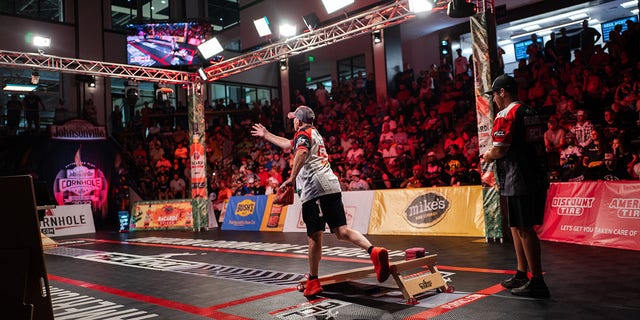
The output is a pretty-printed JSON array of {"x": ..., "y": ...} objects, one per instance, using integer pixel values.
[
  {"x": 376, "y": 18},
  {"x": 365, "y": 22},
  {"x": 94, "y": 68}
]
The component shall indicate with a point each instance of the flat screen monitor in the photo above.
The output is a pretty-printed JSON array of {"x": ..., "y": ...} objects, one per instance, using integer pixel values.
[
  {"x": 166, "y": 44},
  {"x": 609, "y": 25},
  {"x": 520, "y": 48}
]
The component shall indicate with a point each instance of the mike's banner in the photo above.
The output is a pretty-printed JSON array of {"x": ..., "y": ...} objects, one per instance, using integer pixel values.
[
  {"x": 597, "y": 213},
  {"x": 444, "y": 211}
]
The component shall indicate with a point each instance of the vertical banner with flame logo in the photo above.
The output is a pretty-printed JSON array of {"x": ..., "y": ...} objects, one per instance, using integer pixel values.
[
  {"x": 485, "y": 51},
  {"x": 198, "y": 158},
  {"x": 81, "y": 182}
]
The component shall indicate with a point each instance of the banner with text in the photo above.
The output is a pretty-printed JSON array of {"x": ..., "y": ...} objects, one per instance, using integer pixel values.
[
  {"x": 68, "y": 220},
  {"x": 443, "y": 211},
  {"x": 597, "y": 213},
  {"x": 274, "y": 216},
  {"x": 245, "y": 213},
  {"x": 357, "y": 208},
  {"x": 162, "y": 215}
]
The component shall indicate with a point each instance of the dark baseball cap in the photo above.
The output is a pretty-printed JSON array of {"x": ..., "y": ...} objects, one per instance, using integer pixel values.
[
  {"x": 503, "y": 81},
  {"x": 302, "y": 113}
]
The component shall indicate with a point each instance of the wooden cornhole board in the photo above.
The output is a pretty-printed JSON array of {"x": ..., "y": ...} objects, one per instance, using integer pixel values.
[{"x": 411, "y": 284}]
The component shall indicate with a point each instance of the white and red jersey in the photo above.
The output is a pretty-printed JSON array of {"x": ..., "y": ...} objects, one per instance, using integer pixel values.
[
  {"x": 316, "y": 177},
  {"x": 523, "y": 169}
]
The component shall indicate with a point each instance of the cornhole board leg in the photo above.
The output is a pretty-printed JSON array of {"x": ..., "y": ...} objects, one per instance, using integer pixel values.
[{"x": 414, "y": 284}]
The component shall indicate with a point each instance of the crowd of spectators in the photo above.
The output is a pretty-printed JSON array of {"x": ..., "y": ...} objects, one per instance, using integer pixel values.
[{"x": 424, "y": 134}]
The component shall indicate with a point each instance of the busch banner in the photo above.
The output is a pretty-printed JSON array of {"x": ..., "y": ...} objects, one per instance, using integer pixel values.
[{"x": 597, "y": 213}]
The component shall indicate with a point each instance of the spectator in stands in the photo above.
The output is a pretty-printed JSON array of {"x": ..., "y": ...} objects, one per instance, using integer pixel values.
[
  {"x": 550, "y": 55},
  {"x": 461, "y": 64},
  {"x": 357, "y": 184},
  {"x": 593, "y": 153},
  {"x": 627, "y": 94},
  {"x": 554, "y": 141},
  {"x": 588, "y": 38},
  {"x": 272, "y": 186},
  {"x": 163, "y": 165},
  {"x": 611, "y": 171},
  {"x": 452, "y": 138},
  {"x": 380, "y": 177},
  {"x": 178, "y": 187},
  {"x": 181, "y": 152},
  {"x": 32, "y": 106},
  {"x": 624, "y": 157},
  {"x": 90, "y": 112},
  {"x": 163, "y": 187},
  {"x": 563, "y": 45},
  {"x": 582, "y": 129},
  {"x": 570, "y": 149},
  {"x": 611, "y": 127},
  {"x": 140, "y": 155},
  {"x": 534, "y": 50},
  {"x": 574, "y": 172},
  {"x": 416, "y": 180},
  {"x": 14, "y": 109}
]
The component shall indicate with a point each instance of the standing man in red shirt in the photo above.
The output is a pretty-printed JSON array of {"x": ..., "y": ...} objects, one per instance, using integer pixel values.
[{"x": 518, "y": 149}]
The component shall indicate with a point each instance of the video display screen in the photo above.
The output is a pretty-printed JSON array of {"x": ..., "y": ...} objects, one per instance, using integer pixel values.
[
  {"x": 609, "y": 25},
  {"x": 166, "y": 44},
  {"x": 520, "y": 48}
]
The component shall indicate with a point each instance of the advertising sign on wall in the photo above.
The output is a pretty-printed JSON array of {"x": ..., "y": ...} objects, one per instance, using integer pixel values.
[
  {"x": 162, "y": 215},
  {"x": 68, "y": 220},
  {"x": 597, "y": 213},
  {"x": 445, "y": 211},
  {"x": 81, "y": 182},
  {"x": 245, "y": 213}
]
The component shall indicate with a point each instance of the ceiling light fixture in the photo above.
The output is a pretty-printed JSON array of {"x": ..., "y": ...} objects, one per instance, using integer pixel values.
[
  {"x": 546, "y": 20},
  {"x": 210, "y": 48},
  {"x": 334, "y": 5}
]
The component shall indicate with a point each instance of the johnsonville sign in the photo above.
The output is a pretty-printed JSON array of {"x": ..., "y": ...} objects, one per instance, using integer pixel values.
[{"x": 78, "y": 130}]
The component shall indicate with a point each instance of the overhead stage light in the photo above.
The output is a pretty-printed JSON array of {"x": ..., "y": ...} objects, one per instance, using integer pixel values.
[
  {"x": 19, "y": 87},
  {"x": 210, "y": 48},
  {"x": 461, "y": 9},
  {"x": 417, "y": 6},
  {"x": 334, "y": 5},
  {"x": 283, "y": 64},
  {"x": 287, "y": 30},
  {"x": 39, "y": 41},
  {"x": 202, "y": 74},
  {"x": 262, "y": 26},
  {"x": 377, "y": 36},
  {"x": 92, "y": 82}
]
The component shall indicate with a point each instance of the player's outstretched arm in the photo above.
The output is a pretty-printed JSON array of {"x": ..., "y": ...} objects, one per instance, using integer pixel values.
[{"x": 258, "y": 130}]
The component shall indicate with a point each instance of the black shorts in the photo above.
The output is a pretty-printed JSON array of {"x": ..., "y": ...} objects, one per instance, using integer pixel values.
[
  {"x": 327, "y": 209},
  {"x": 526, "y": 211}
]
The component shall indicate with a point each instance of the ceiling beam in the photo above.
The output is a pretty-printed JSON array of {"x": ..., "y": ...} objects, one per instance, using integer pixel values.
[{"x": 364, "y": 22}]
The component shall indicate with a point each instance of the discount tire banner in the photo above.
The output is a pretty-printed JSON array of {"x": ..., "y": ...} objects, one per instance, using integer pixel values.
[{"x": 596, "y": 213}]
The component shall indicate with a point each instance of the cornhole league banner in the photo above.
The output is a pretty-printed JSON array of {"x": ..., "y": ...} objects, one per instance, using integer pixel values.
[
  {"x": 443, "y": 211},
  {"x": 68, "y": 220},
  {"x": 245, "y": 213},
  {"x": 596, "y": 213}
]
